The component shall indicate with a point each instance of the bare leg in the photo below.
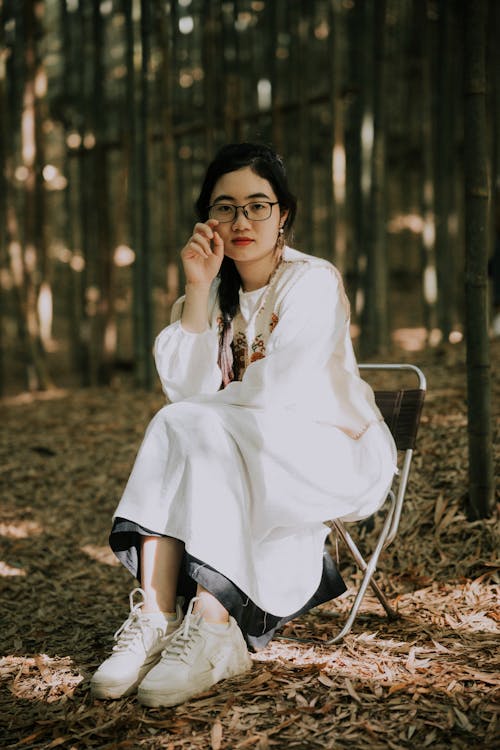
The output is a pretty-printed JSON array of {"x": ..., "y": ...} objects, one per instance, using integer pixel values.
[
  {"x": 212, "y": 609},
  {"x": 160, "y": 564}
]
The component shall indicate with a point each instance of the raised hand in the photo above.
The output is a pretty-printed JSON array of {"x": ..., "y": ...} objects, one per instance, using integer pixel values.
[{"x": 203, "y": 253}]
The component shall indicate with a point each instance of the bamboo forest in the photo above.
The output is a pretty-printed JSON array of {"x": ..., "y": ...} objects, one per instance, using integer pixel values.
[{"x": 386, "y": 114}]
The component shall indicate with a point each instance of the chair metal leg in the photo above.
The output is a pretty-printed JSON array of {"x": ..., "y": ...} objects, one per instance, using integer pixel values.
[
  {"x": 363, "y": 565},
  {"x": 368, "y": 569}
]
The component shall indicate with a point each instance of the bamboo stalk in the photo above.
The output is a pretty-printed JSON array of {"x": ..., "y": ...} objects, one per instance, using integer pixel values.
[{"x": 477, "y": 196}]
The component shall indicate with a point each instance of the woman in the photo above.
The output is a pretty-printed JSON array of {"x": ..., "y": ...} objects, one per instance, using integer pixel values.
[{"x": 268, "y": 433}]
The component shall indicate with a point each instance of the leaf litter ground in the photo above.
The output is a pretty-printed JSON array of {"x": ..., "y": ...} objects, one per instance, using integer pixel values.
[{"x": 429, "y": 679}]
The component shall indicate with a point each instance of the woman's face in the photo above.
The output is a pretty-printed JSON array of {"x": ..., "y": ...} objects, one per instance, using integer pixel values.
[{"x": 246, "y": 240}]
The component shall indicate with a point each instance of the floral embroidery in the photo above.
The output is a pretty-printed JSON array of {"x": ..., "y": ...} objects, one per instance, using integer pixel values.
[
  {"x": 258, "y": 348},
  {"x": 258, "y": 345},
  {"x": 257, "y": 355},
  {"x": 257, "y": 330},
  {"x": 240, "y": 353}
]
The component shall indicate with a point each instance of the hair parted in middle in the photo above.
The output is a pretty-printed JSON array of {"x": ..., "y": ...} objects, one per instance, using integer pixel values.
[{"x": 266, "y": 163}]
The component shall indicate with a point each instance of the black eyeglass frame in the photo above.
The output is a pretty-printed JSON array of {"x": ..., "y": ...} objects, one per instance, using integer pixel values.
[{"x": 243, "y": 208}]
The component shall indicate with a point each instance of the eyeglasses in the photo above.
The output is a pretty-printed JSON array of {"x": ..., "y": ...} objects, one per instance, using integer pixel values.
[{"x": 226, "y": 212}]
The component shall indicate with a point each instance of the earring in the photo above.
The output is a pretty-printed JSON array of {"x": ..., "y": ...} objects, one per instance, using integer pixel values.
[{"x": 280, "y": 243}]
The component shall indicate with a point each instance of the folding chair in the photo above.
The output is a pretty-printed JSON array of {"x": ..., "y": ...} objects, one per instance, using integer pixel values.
[{"x": 401, "y": 410}]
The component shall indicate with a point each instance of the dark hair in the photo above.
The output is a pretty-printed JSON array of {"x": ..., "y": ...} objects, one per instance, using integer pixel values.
[{"x": 266, "y": 163}]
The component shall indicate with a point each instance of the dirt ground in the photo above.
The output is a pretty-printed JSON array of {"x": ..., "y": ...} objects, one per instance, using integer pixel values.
[{"x": 428, "y": 680}]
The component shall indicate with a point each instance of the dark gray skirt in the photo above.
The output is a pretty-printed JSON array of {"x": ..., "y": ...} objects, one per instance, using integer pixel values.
[{"x": 257, "y": 626}]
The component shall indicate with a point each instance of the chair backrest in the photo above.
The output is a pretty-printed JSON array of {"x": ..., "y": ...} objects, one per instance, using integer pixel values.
[{"x": 401, "y": 410}]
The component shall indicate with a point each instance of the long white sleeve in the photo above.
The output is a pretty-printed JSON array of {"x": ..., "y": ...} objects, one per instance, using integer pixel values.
[
  {"x": 308, "y": 366},
  {"x": 311, "y": 317},
  {"x": 186, "y": 361}
]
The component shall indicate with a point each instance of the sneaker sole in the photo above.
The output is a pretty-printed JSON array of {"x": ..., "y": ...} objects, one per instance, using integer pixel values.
[
  {"x": 114, "y": 691},
  {"x": 102, "y": 692},
  {"x": 166, "y": 698}
]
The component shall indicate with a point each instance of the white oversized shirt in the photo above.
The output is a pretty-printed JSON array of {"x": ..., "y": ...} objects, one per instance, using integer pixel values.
[
  {"x": 300, "y": 331},
  {"x": 247, "y": 475}
]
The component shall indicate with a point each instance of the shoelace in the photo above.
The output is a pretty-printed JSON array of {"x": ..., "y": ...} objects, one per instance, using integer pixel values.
[
  {"x": 186, "y": 636},
  {"x": 133, "y": 625}
]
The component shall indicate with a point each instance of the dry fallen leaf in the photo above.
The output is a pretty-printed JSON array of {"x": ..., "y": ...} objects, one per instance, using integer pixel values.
[
  {"x": 429, "y": 679},
  {"x": 325, "y": 680},
  {"x": 216, "y": 735}
]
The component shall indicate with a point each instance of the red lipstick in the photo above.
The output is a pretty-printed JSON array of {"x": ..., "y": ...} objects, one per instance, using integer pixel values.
[{"x": 242, "y": 241}]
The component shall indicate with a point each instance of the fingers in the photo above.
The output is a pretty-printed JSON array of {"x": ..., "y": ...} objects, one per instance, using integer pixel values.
[
  {"x": 203, "y": 234},
  {"x": 200, "y": 244},
  {"x": 218, "y": 248},
  {"x": 218, "y": 242}
]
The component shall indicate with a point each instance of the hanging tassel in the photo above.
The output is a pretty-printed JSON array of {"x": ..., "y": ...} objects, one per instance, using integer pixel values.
[{"x": 226, "y": 352}]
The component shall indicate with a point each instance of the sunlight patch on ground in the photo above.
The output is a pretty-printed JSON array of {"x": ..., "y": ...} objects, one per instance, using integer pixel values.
[
  {"x": 470, "y": 608},
  {"x": 385, "y": 663},
  {"x": 410, "y": 339},
  {"x": 412, "y": 222},
  {"x": 384, "y": 658},
  {"x": 7, "y": 571},
  {"x": 20, "y": 529},
  {"x": 416, "y": 339},
  {"x": 30, "y": 397},
  {"x": 102, "y": 555},
  {"x": 40, "y": 677}
]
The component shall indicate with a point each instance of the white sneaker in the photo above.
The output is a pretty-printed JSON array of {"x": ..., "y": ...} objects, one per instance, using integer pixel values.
[
  {"x": 197, "y": 656},
  {"x": 139, "y": 643}
]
